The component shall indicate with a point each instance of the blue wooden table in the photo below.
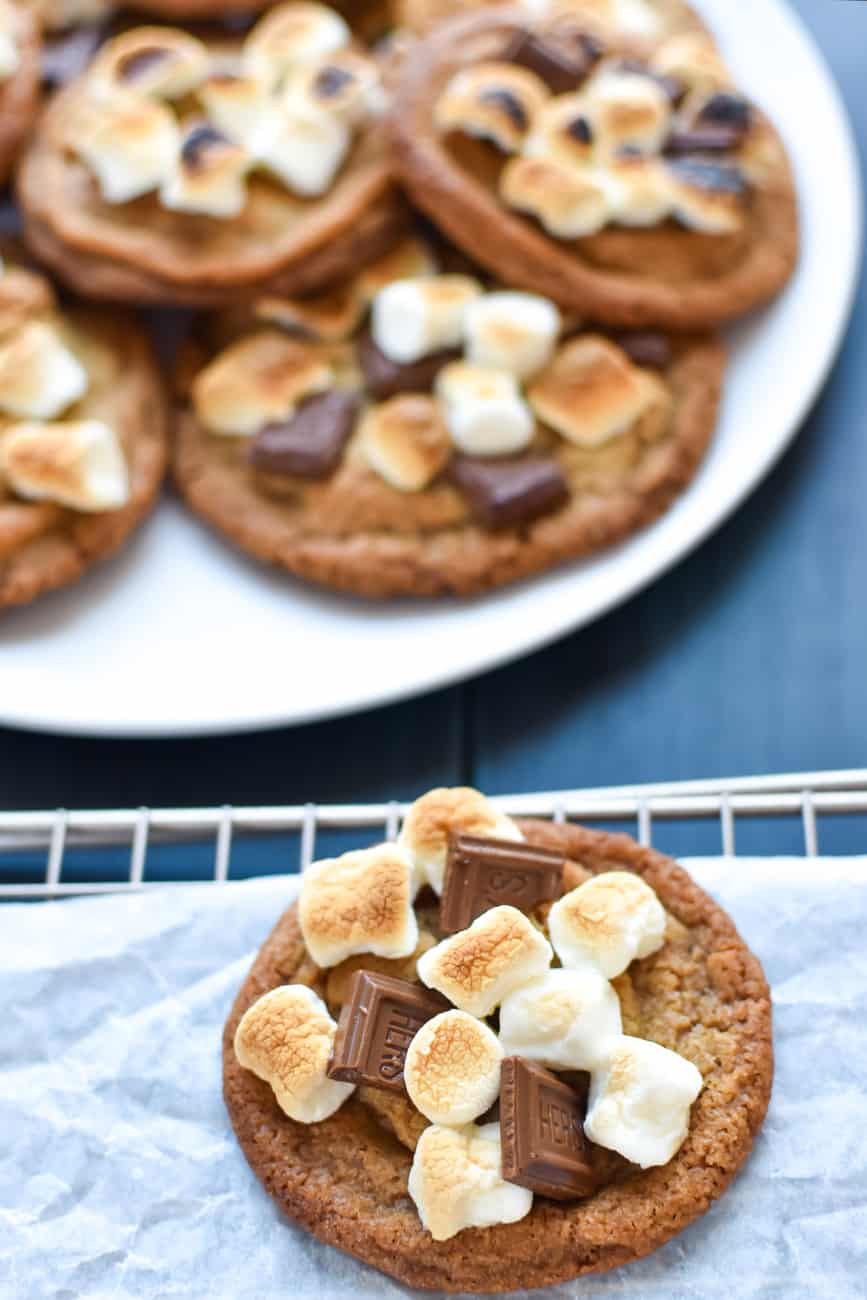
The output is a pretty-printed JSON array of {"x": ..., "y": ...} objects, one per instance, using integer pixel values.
[{"x": 750, "y": 657}]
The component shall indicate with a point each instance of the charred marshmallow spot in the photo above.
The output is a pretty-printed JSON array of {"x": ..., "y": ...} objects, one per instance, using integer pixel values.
[
  {"x": 134, "y": 66},
  {"x": 198, "y": 143},
  {"x": 510, "y": 105}
]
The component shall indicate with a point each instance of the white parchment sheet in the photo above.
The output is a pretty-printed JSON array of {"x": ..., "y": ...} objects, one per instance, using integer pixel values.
[{"x": 120, "y": 1176}]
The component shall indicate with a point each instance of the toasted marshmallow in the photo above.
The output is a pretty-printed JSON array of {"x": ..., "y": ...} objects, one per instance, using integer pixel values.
[
  {"x": 590, "y": 392},
  {"x": 452, "y": 1068},
  {"x": 347, "y": 84},
  {"x": 639, "y": 1101},
  {"x": 480, "y": 966},
  {"x": 291, "y": 36},
  {"x": 405, "y": 441},
  {"x": 359, "y": 902},
  {"x": 409, "y": 259},
  {"x": 130, "y": 144},
  {"x": 286, "y": 1039},
  {"x": 304, "y": 146},
  {"x": 9, "y": 55},
  {"x": 484, "y": 410},
  {"x": 512, "y": 331},
  {"x": 256, "y": 381},
  {"x": 694, "y": 59},
  {"x": 209, "y": 176},
  {"x": 637, "y": 18},
  {"x": 412, "y": 318},
  {"x": 78, "y": 463},
  {"x": 563, "y": 131},
  {"x": 569, "y": 202},
  {"x": 492, "y": 101},
  {"x": 606, "y": 923},
  {"x": 708, "y": 195},
  {"x": 645, "y": 190},
  {"x": 628, "y": 110},
  {"x": 325, "y": 317},
  {"x": 565, "y": 1019},
  {"x": 39, "y": 376},
  {"x": 23, "y": 295},
  {"x": 441, "y": 813},
  {"x": 456, "y": 1181},
  {"x": 159, "y": 61},
  {"x": 239, "y": 106}
]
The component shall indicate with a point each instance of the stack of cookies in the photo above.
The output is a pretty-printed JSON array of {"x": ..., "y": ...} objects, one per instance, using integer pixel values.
[{"x": 456, "y": 272}]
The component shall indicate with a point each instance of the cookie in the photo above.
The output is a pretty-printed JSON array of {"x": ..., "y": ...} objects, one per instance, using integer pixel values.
[
  {"x": 19, "y": 79},
  {"x": 416, "y": 433},
  {"x": 701, "y": 993},
  {"x": 632, "y": 184},
  {"x": 180, "y": 170},
  {"x": 83, "y": 436}
]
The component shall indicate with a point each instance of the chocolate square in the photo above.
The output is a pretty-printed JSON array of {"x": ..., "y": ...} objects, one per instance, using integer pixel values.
[
  {"x": 542, "y": 1132},
  {"x": 385, "y": 378},
  {"x": 310, "y": 444},
  {"x": 562, "y": 61},
  {"x": 511, "y": 490},
  {"x": 378, "y": 1022},
  {"x": 482, "y": 873}
]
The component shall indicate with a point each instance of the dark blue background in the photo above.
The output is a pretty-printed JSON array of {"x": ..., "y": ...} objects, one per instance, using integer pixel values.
[{"x": 750, "y": 657}]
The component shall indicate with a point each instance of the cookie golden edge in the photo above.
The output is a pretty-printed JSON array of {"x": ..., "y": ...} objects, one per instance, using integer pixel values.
[
  {"x": 524, "y": 254},
  {"x": 80, "y": 541},
  {"x": 555, "y": 1243},
  {"x": 20, "y": 93}
]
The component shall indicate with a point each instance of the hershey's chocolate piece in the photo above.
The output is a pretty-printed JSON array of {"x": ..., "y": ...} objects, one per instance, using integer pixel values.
[
  {"x": 726, "y": 109},
  {"x": 508, "y": 491},
  {"x": 377, "y": 1024},
  {"x": 562, "y": 60},
  {"x": 703, "y": 138},
  {"x": 542, "y": 1132},
  {"x": 707, "y": 174},
  {"x": 646, "y": 348},
  {"x": 385, "y": 378},
  {"x": 310, "y": 444},
  {"x": 483, "y": 873}
]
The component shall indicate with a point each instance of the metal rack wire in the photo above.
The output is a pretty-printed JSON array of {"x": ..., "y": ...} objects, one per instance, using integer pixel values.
[{"x": 805, "y": 797}]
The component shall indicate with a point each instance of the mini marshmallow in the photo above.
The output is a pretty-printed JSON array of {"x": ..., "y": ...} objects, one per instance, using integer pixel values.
[
  {"x": 639, "y": 1101},
  {"x": 409, "y": 259},
  {"x": 209, "y": 176},
  {"x": 290, "y": 36},
  {"x": 158, "y": 61},
  {"x": 258, "y": 380},
  {"x": 645, "y": 190},
  {"x": 456, "y": 1181},
  {"x": 569, "y": 202},
  {"x": 693, "y": 59},
  {"x": 285, "y": 1038},
  {"x": 565, "y": 1019},
  {"x": 440, "y": 813},
  {"x": 512, "y": 331},
  {"x": 78, "y": 463},
  {"x": 304, "y": 146},
  {"x": 129, "y": 143},
  {"x": 347, "y": 84},
  {"x": 452, "y": 1068},
  {"x": 413, "y": 318},
  {"x": 628, "y": 110},
  {"x": 607, "y": 922},
  {"x": 492, "y": 101},
  {"x": 637, "y": 18},
  {"x": 708, "y": 195},
  {"x": 239, "y": 106},
  {"x": 329, "y": 317},
  {"x": 359, "y": 902},
  {"x": 405, "y": 441},
  {"x": 23, "y": 295},
  {"x": 590, "y": 392},
  {"x": 480, "y": 966},
  {"x": 39, "y": 376},
  {"x": 484, "y": 410}
]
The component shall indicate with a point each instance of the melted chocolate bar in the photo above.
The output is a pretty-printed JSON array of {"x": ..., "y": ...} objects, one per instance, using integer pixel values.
[
  {"x": 311, "y": 443},
  {"x": 542, "y": 1132},
  {"x": 377, "y": 1024},
  {"x": 482, "y": 873},
  {"x": 385, "y": 378},
  {"x": 509, "y": 491},
  {"x": 562, "y": 62},
  {"x": 646, "y": 348}
]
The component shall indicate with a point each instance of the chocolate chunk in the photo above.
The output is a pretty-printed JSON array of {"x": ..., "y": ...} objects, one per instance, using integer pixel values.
[
  {"x": 197, "y": 143},
  {"x": 580, "y": 130},
  {"x": 510, "y": 491},
  {"x": 724, "y": 109},
  {"x": 377, "y": 1024},
  {"x": 703, "y": 139},
  {"x": 310, "y": 444},
  {"x": 707, "y": 174},
  {"x": 511, "y": 106},
  {"x": 385, "y": 378},
  {"x": 562, "y": 63},
  {"x": 542, "y": 1132},
  {"x": 140, "y": 61},
  {"x": 482, "y": 873},
  {"x": 646, "y": 348}
]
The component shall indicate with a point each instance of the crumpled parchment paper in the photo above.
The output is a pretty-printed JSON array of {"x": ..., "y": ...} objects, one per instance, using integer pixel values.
[{"x": 120, "y": 1176}]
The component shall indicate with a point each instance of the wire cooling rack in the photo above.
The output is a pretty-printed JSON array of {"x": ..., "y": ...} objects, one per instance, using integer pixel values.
[{"x": 803, "y": 798}]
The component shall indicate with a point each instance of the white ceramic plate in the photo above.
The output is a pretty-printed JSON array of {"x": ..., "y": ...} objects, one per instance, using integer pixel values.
[{"x": 182, "y": 635}]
